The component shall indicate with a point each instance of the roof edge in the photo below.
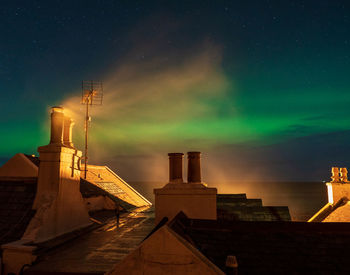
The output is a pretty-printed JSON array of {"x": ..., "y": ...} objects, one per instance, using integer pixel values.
[
  {"x": 126, "y": 184},
  {"x": 328, "y": 209},
  {"x": 29, "y": 161}
]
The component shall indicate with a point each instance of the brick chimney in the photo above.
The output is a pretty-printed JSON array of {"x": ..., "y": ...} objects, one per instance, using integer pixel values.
[
  {"x": 57, "y": 117},
  {"x": 194, "y": 167},
  {"x": 193, "y": 198},
  {"x": 175, "y": 167},
  {"x": 58, "y": 202}
]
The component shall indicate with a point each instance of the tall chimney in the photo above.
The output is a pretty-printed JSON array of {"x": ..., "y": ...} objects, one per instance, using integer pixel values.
[
  {"x": 175, "y": 167},
  {"x": 67, "y": 131},
  {"x": 57, "y": 117},
  {"x": 194, "y": 167},
  {"x": 58, "y": 202}
]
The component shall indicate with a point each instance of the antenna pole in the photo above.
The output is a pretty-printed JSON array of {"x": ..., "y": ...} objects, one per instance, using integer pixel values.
[
  {"x": 92, "y": 94},
  {"x": 86, "y": 134}
]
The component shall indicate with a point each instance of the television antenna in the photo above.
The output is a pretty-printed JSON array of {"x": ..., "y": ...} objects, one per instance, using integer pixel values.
[{"x": 92, "y": 94}]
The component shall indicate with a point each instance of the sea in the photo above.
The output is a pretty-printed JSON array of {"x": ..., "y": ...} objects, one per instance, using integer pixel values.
[{"x": 304, "y": 199}]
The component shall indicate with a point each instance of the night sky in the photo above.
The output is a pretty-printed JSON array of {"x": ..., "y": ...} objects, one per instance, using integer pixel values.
[{"x": 260, "y": 87}]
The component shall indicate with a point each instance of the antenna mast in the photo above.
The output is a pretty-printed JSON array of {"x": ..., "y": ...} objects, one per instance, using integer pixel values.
[{"x": 92, "y": 94}]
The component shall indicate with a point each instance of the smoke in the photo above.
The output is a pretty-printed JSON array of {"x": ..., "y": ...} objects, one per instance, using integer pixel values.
[{"x": 153, "y": 104}]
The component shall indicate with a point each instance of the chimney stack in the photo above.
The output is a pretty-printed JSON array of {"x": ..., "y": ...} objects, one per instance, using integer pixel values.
[
  {"x": 194, "y": 167},
  {"x": 57, "y": 118},
  {"x": 67, "y": 131},
  {"x": 193, "y": 198},
  {"x": 175, "y": 167},
  {"x": 58, "y": 202}
]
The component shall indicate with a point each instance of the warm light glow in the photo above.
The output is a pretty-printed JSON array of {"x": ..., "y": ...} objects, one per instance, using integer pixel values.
[
  {"x": 57, "y": 109},
  {"x": 69, "y": 113},
  {"x": 330, "y": 193}
]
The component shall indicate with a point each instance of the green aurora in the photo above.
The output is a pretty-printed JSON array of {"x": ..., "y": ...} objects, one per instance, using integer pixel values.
[{"x": 225, "y": 77}]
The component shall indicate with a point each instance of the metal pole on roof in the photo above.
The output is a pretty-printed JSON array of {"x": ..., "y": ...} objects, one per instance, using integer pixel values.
[
  {"x": 92, "y": 94},
  {"x": 86, "y": 128}
]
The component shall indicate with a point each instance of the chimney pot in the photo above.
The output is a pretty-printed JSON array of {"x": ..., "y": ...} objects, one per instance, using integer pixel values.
[
  {"x": 57, "y": 117},
  {"x": 344, "y": 174},
  {"x": 175, "y": 167},
  {"x": 67, "y": 131},
  {"x": 335, "y": 174},
  {"x": 194, "y": 167}
]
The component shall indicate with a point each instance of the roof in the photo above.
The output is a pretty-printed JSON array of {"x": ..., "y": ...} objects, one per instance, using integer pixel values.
[
  {"x": 34, "y": 159},
  {"x": 270, "y": 247},
  {"x": 17, "y": 193},
  {"x": 16, "y": 199},
  {"x": 97, "y": 251},
  {"x": 101, "y": 180},
  {"x": 20, "y": 165},
  {"x": 89, "y": 189},
  {"x": 337, "y": 212},
  {"x": 104, "y": 178},
  {"x": 236, "y": 207},
  {"x": 165, "y": 252}
]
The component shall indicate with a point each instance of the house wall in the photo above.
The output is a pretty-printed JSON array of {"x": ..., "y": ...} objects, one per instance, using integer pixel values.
[
  {"x": 195, "y": 200},
  {"x": 15, "y": 256},
  {"x": 165, "y": 252},
  {"x": 339, "y": 190},
  {"x": 59, "y": 204}
]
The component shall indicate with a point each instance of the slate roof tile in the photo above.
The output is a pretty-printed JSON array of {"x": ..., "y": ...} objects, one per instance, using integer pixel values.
[
  {"x": 16, "y": 199},
  {"x": 270, "y": 247}
]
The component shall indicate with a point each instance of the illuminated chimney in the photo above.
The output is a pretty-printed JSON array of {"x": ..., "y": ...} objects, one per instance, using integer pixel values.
[
  {"x": 194, "y": 167},
  {"x": 67, "y": 131},
  {"x": 175, "y": 167},
  {"x": 344, "y": 175},
  {"x": 59, "y": 205},
  {"x": 194, "y": 198},
  {"x": 57, "y": 118}
]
